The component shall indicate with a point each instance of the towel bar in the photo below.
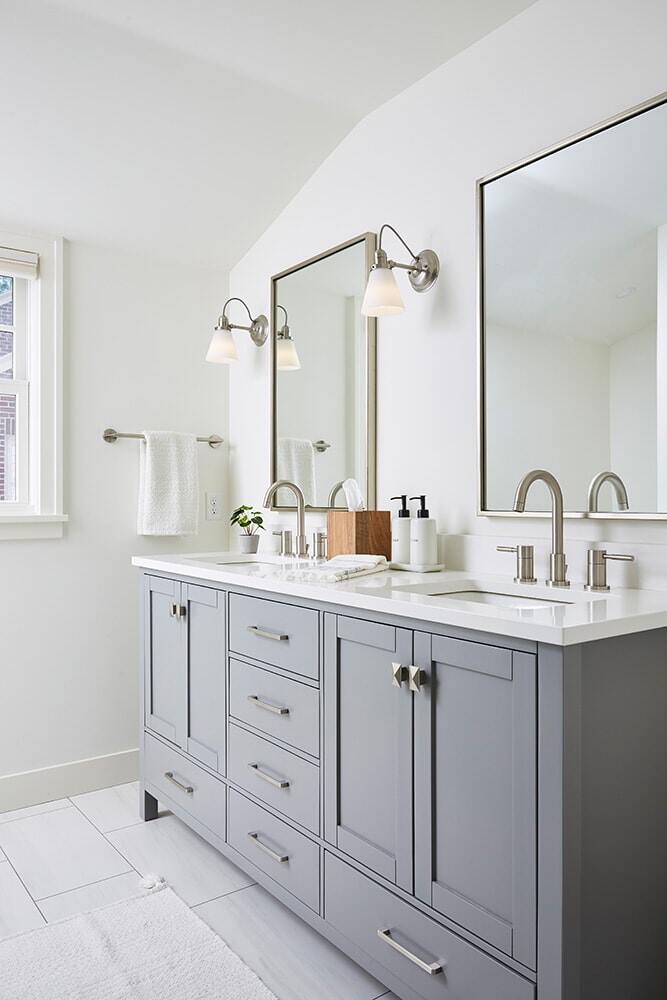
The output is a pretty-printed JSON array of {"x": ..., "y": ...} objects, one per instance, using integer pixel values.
[{"x": 110, "y": 436}]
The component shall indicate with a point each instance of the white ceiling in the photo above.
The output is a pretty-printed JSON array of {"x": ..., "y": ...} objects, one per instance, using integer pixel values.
[{"x": 182, "y": 129}]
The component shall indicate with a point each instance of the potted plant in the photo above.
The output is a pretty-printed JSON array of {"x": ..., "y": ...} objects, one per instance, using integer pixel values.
[{"x": 251, "y": 523}]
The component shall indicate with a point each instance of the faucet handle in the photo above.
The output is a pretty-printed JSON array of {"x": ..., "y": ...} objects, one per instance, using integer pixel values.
[
  {"x": 525, "y": 562},
  {"x": 286, "y": 546},
  {"x": 596, "y": 578}
]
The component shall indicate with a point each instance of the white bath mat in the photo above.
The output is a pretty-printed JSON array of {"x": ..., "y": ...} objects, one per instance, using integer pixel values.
[{"x": 148, "y": 948}]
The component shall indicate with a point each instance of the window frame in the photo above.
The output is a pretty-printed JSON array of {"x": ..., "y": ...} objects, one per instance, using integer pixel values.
[{"x": 38, "y": 509}]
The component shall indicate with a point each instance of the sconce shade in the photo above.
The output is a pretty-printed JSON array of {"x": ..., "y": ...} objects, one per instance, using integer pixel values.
[
  {"x": 222, "y": 349},
  {"x": 382, "y": 297},
  {"x": 287, "y": 359}
]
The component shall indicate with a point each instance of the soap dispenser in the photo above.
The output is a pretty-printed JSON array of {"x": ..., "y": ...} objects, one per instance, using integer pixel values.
[
  {"x": 400, "y": 532},
  {"x": 423, "y": 537}
]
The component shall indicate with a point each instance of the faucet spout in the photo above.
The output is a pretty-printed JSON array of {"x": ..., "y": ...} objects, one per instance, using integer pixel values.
[
  {"x": 558, "y": 574},
  {"x": 301, "y": 544},
  {"x": 618, "y": 486}
]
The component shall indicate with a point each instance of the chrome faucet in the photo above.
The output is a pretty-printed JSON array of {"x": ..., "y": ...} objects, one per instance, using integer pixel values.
[
  {"x": 618, "y": 486},
  {"x": 301, "y": 544},
  {"x": 557, "y": 564}
]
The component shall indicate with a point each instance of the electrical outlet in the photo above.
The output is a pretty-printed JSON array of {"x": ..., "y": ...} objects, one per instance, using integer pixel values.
[{"x": 214, "y": 506}]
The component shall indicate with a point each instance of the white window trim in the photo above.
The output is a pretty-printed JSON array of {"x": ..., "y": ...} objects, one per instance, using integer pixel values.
[{"x": 42, "y": 515}]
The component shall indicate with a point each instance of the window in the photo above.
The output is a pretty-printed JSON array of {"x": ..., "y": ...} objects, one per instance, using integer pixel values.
[{"x": 30, "y": 387}]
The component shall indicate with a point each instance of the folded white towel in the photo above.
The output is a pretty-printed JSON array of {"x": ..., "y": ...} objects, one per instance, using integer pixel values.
[
  {"x": 168, "y": 484},
  {"x": 352, "y": 559},
  {"x": 296, "y": 462},
  {"x": 325, "y": 573}
]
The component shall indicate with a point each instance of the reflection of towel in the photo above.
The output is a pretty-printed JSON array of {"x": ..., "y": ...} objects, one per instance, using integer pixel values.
[
  {"x": 168, "y": 484},
  {"x": 296, "y": 462}
]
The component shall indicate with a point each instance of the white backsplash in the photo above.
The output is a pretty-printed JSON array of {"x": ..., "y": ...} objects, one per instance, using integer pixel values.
[{"x": 477, "y": 554}]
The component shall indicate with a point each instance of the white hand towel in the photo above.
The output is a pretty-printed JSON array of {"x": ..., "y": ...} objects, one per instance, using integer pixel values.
[
  {"x": 168, "y": 484},
  {"x": 296, "y": 462}
]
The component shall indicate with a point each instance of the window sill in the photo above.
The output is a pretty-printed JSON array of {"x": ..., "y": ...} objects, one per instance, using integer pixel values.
[{"x": 19, "y": 526}]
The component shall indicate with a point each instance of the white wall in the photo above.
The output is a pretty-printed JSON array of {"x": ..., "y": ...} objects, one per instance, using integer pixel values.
[
  {"x": 557, "y": 68},
  {"x": 136, "y": 332}
]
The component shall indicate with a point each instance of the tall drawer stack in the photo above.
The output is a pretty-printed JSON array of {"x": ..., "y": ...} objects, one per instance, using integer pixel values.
[{"x": 273, "y": 740}]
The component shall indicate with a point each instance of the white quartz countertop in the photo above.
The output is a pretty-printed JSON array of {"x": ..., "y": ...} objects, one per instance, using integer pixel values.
[{"x": 562, "y": 617}]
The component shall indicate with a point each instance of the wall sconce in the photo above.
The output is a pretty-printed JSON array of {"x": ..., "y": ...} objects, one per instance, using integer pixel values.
[
  {"x": 222, "y": 349},
  {"x": 383, "y": 297},
  {"x": 287, "y": 360}
]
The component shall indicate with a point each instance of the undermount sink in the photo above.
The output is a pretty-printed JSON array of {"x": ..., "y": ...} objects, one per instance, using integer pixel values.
[{"x": 500, "y": 600}]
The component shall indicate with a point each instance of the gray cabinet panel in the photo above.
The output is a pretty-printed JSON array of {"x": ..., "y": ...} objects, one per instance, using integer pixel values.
[
  {"x": 359, "y": 908},
  {"x": 281, "y": 779},
  {"x": 278, "y": 849},
  {"x": 368, "y": 746},
  {"x": 165, "y": 681},
  {"x": 281, "y": 634},
  {"x": 186, "y": 784},
  {"x": 205, "y": 621},
  {"x": 475, "y": 790},
  {"x": 278, "y": 706}
]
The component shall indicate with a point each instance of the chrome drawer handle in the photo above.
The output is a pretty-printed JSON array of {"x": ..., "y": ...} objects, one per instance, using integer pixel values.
[
  {"x": 267, "y": 706},
  {"x": 265, "y": 634},
  {"x": 173, "y": 610},
  {"x": 433, "y": 968},
  {"x": 416, "y": 679},
  {"x": 399, "y": 674},
  {"x": 280, "y": 858},
  {"x": 188, "y": 789},
  {"x": 276, "y": 782}
]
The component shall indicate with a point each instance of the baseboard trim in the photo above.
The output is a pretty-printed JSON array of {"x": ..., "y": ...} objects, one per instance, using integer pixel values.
[{"x": 29, "y": 788}]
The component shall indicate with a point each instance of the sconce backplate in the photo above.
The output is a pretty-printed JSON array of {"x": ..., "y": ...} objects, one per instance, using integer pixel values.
[{"x": 422, "y": 280}]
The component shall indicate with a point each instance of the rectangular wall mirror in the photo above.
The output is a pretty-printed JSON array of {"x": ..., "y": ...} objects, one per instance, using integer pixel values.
[
  {"x": 323, "y": 376},
  {"x": 573, "y": 319}
]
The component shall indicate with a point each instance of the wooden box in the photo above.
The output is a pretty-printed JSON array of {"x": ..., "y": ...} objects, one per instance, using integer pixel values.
[{"x": 363, "y": 532}]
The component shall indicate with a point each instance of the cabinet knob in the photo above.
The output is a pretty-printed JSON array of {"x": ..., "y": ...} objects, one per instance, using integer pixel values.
[
  {"x": 399, "y": 673},
  {"x": 417, "y": 678}
]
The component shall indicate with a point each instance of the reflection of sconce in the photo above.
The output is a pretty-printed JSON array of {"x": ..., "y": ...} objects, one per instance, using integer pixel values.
[
  {"x": 383, "y": 297},
  {"x": 222, "y": 349},
  {"x": 287, "y": 360}
]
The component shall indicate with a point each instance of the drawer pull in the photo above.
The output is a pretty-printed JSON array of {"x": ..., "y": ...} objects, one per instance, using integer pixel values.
[
  {"x": 433, "y": 968},
  {"x": 276, "y": 709},
  {"x": 276, "y": 782},
  {"x": 188, "y": 789},
  {"x": 265, "y": 634},
  {"x": 173, "y": 610},
  {"x": 280, "y": 858}
]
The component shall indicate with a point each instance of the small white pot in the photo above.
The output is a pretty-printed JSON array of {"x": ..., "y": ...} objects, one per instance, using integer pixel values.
[{"x": 249, "y": 543}]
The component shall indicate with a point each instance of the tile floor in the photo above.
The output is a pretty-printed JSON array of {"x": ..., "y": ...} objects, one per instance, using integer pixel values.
[{"x": 70, "y": 855}]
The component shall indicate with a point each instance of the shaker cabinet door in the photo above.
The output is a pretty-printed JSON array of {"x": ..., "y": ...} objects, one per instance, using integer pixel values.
[
  {"x": 164, "y": 659},
  {"x": 368, "y": 745},
  {"x": 204, "y": 625},
  {"x": 475, "y": 789}
]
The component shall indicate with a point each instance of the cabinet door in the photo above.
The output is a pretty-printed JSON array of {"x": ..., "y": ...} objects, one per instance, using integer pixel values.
[
  {"x": 475, "y": 789},
  {"x": 164, "y": 660},
  {"x": 368, "y": 745},
  {"x": 205, "y": 660}
]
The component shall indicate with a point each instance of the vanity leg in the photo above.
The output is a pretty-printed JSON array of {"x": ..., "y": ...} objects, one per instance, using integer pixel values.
[{"x": 147, "y": 805}]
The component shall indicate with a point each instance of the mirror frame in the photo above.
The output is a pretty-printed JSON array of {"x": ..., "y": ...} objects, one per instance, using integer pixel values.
[
  {"x": 370, "y": 476},
  {"x": 482, "y": 510}
]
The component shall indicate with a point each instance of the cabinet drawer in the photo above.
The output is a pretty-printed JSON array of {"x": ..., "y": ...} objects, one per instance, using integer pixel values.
[
  {"x": 186, "y": 784},
  {"x": 282, "y": 852},
  {"x": 360, "y": 909},
  {"x": 288, "y": 783},
  {"x": 281, "y": 634},
  {"x": 277, "y": 705}
]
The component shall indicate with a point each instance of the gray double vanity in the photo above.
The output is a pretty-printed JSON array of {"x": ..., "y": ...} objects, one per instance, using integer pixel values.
[{"x": 469, "y": 811}]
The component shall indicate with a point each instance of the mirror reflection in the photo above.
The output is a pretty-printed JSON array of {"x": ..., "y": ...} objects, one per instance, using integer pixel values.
[
  {"x": 322, "y": 389},
  {"x": 574, "y": 323}
]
